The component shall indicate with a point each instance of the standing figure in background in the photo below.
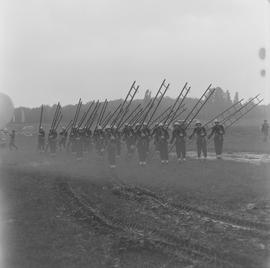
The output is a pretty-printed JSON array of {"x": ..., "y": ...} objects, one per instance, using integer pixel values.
[
  {"x": 218, "y": 131},
  {"x": 12, "y": 141},
  {"x": 179, "y": 136},
  {"x": 201, "y": 134},
  {"x": 63, "y": 138},
  {"x": 265, "y": 129},
  {"x": 41, "y": 140},
  {"x": 52, "y": 141}
]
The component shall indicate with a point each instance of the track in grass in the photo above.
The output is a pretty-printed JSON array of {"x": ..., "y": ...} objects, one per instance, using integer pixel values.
[{"x": 183, "y": 248}]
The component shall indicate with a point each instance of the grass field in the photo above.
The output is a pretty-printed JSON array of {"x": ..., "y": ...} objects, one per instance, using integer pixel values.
[{"x": 58, "y": 212}]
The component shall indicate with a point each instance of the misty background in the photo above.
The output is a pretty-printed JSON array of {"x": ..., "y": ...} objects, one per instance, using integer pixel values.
[{"x": 58, "y": 50}]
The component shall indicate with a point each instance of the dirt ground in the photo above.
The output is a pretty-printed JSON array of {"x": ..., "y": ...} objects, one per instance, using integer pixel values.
[{"x": 58, "y": 212}]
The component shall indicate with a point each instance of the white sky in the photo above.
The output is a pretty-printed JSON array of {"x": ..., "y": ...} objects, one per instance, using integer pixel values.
[{"x": 54, "y": 50}]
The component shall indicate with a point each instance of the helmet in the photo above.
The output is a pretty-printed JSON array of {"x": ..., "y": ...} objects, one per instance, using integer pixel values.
[
  {"x": 216, "y": 121},
  {"x": 198, "y": 122}
]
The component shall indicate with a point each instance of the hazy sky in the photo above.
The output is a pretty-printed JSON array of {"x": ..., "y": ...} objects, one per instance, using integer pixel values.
[{"x": 54, "y": 50}]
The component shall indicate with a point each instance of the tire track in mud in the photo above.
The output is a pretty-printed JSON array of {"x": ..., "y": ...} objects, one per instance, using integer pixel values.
[
  {"x": 182, "y": 248},
  {"x": 224, "y": 219}
]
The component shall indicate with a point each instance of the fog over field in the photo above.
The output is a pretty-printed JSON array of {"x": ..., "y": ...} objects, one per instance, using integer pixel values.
[
  {"x": 59, "y": 50},
  {"x": 134, "y": 133}
]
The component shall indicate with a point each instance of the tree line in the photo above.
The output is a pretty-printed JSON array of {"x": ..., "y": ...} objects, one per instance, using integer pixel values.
[{"x": 218, "y": 102}]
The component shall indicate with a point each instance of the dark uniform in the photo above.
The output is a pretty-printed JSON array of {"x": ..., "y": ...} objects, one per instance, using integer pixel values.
[
  {"x": 117, "y": 136},
  {"x": 79, "y": 143},
  {"x": 63, "y": 138},
  {"x": 146, "y": 131},
  {"x": 265, "y": 130},
  {"x": 162, "y": 139},
  {"x": 41, "y": 140},
  {"x": 12, "y": 141},
  {"x": 130, "y": 139},
  {"x": 52, "y": 141},
  {"x": 142, "y": 144},
  {"x": 71, "y": 146},
  {"x": 88, "y": 140},
  {"x": 218, "y": 131},
  {"x": 179, "y": 136},
  {"x": 155, "y": 135},
  {"x": 200, "y": 139},
  {"x": 99, "y": 140}
]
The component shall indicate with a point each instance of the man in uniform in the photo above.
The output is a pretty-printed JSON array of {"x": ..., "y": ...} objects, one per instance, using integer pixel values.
[
  {"x": 201, "y": 134},
  {"x": 111, "y": 145},
  {"x": 142, "y": 144},
  {"x": 79, "y": 143},
  {"x": 218, "y": 131},
  {"x": 155, "y": 135},
  {"x": 179, "y": 136},
  {"x": 71, "y": 146},
  {"x": 41, "y": 140},
  {"x": 52, "y": 141},
  {"x": 63, "y": 138},
  {"x": 99, "y": 139},
  {"x": 130, "y": 139},
  {"x": 147, "y": 133},
  {"x": 12, "y": 141},
  {"x": 163, "y": 137},
  {"x": 265, "y": 129}
]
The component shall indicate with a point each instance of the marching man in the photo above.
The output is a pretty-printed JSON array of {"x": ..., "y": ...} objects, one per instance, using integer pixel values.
[
  {"x": 179, "y": 135},
  {"x": 201, "y": 134},
  {"x": 218, "y": 131}
]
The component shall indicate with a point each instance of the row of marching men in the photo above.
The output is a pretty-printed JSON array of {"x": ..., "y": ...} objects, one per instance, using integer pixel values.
[{"x": 108, "y": 141}]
